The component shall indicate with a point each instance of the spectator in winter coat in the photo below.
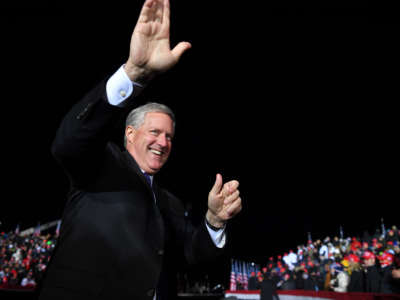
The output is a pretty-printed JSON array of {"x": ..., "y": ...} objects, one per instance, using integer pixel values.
[
  {"x": 327, "y": 277},
  {"x": 268, "y": 290},
  {"x": 253, "y": 284},
  {"x": 388, "y": 283},
  {"x": 372, "y": 276},
  {"x": 356, "y": 283},
  {"x": 288, "y": 283},
  {"x": 341, "y": 279}
]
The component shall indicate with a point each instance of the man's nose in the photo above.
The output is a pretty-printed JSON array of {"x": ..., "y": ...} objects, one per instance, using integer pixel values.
[{"x": 162, "y": 140}]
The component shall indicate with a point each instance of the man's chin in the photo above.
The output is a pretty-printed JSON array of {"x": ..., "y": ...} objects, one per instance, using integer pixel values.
[
  {"x": 156, "y": 165},
  {"x": 155, "y": 168}
]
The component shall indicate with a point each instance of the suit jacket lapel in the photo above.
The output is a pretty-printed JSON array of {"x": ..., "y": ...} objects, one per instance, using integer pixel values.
[
  {"x": 159, "y": 223},
  {"x": 133, "y": 166}
]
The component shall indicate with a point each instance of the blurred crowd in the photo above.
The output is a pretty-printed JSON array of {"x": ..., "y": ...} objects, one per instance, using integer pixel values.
[
  {"x": 368, "y": 264},
  {"x": 353, "y": 264},
  {"x": 23, "y": 259}
]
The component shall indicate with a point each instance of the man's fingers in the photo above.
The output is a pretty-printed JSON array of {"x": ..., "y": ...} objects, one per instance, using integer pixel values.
[
  {"x": 152, "y": 10},
  {"x": 234, "y": 208},
  {"x": 232, "y": 197},
  {"x": 217, "y": 185},
  {"x": 147, "y": 11},
  {"x": 166, "y": 11},
  {"x": 231, "y": 185}
]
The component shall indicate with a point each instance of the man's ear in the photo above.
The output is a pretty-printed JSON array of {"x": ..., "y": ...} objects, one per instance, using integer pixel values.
[{"x": 130, "y": 133}]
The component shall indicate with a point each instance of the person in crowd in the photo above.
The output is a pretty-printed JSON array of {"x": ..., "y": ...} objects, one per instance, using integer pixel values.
[
  {"x": 288, "y": 282},
  {"x": 388, "y": 282},
  {"x": 327, "y": 276},
  {"x": 299, "y": 278},
  {"x": 372, "y": 276},
  {"x": 340, "y": 279},
  {"x": 310, "y": 281},
  {"x": 274, "y": 276},
  {"x": 323, "y": 252},
  {"x": 356, "y": 283},
  {"x": 253, "y": 284},
  {"x": 268, "y": 289},
  {"x": 28, "y": 281},
  {"x": 133, "y": 234}
]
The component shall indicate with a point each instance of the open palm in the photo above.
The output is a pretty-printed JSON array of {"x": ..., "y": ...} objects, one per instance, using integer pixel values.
[{"x": 150, "y": 51}]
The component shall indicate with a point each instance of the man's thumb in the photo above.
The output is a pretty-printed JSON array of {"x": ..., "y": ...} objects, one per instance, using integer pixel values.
[
  {"x": 180, "y": 49},
  {"x": 217, "y": 185}
]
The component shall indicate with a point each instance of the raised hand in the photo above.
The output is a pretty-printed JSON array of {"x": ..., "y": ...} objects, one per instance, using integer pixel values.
[
  {"x": 223, "y": 202},
  {"x": 150, "y": 51}
]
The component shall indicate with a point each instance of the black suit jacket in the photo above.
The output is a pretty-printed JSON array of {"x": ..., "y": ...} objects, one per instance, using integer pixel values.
[{"x": 115, "y": 242}]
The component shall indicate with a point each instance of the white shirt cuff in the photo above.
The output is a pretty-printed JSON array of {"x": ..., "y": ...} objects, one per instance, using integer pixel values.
[
  {"x": 119, "y": 87},
  {"x": 218, "y": 237}
]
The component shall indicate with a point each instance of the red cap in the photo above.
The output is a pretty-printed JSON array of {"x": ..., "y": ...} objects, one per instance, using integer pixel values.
[
  {"x": 386, "y": 259},
  {"x": 368, "y": 255},
  {"x": 353, "y": 258}
]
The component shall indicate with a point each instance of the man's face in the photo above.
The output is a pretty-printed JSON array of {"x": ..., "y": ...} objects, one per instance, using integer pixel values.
[
  {"x": 150, "y": 144},
  {"x": 369, "y": 262}
]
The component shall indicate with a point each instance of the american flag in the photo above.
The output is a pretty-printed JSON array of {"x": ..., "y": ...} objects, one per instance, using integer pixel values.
[
  {"x": 239, "y": 273},
  {"x": 233, "y": 277},
  {"x": 245, "y": 276}
]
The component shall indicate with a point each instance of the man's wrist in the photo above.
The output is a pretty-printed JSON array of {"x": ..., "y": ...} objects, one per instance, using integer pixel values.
[
  {"x": 213, "y": 222},
  {"x": 137, "y": 74}
]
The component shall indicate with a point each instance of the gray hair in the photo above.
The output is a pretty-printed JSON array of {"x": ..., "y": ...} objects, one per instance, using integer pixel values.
[{"x": 136, "y": 116}]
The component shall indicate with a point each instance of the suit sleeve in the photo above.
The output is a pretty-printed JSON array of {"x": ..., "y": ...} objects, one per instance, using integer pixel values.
[
  {"x": 84, "y": 133},
  {"x": 202, "y": 248},
  {"x": 198, "y": 246}
]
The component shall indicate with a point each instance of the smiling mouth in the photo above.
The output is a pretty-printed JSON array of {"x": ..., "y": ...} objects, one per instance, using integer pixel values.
[{"x": 156, "y": 152}]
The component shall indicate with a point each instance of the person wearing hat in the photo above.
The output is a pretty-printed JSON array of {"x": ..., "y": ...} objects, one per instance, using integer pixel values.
[
  {"x": 396, "y": 261},
  {"x": 372, "y": 277},
  {"x": 253, "y": 284},
  {"x": 389, "y": 284},
  {"x": 396, "y": 267},
  {"x": 356, "y": 283}
]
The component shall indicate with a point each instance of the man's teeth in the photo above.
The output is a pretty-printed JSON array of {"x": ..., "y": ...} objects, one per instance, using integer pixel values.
[{"x": 155, "y": 152}]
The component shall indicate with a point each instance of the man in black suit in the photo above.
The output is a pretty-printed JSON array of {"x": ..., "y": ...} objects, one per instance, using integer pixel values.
[{"x": 122, "y": 235}]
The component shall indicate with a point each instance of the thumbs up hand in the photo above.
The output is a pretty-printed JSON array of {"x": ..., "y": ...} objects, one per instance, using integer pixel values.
[{"x": 223, "y": 202}]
